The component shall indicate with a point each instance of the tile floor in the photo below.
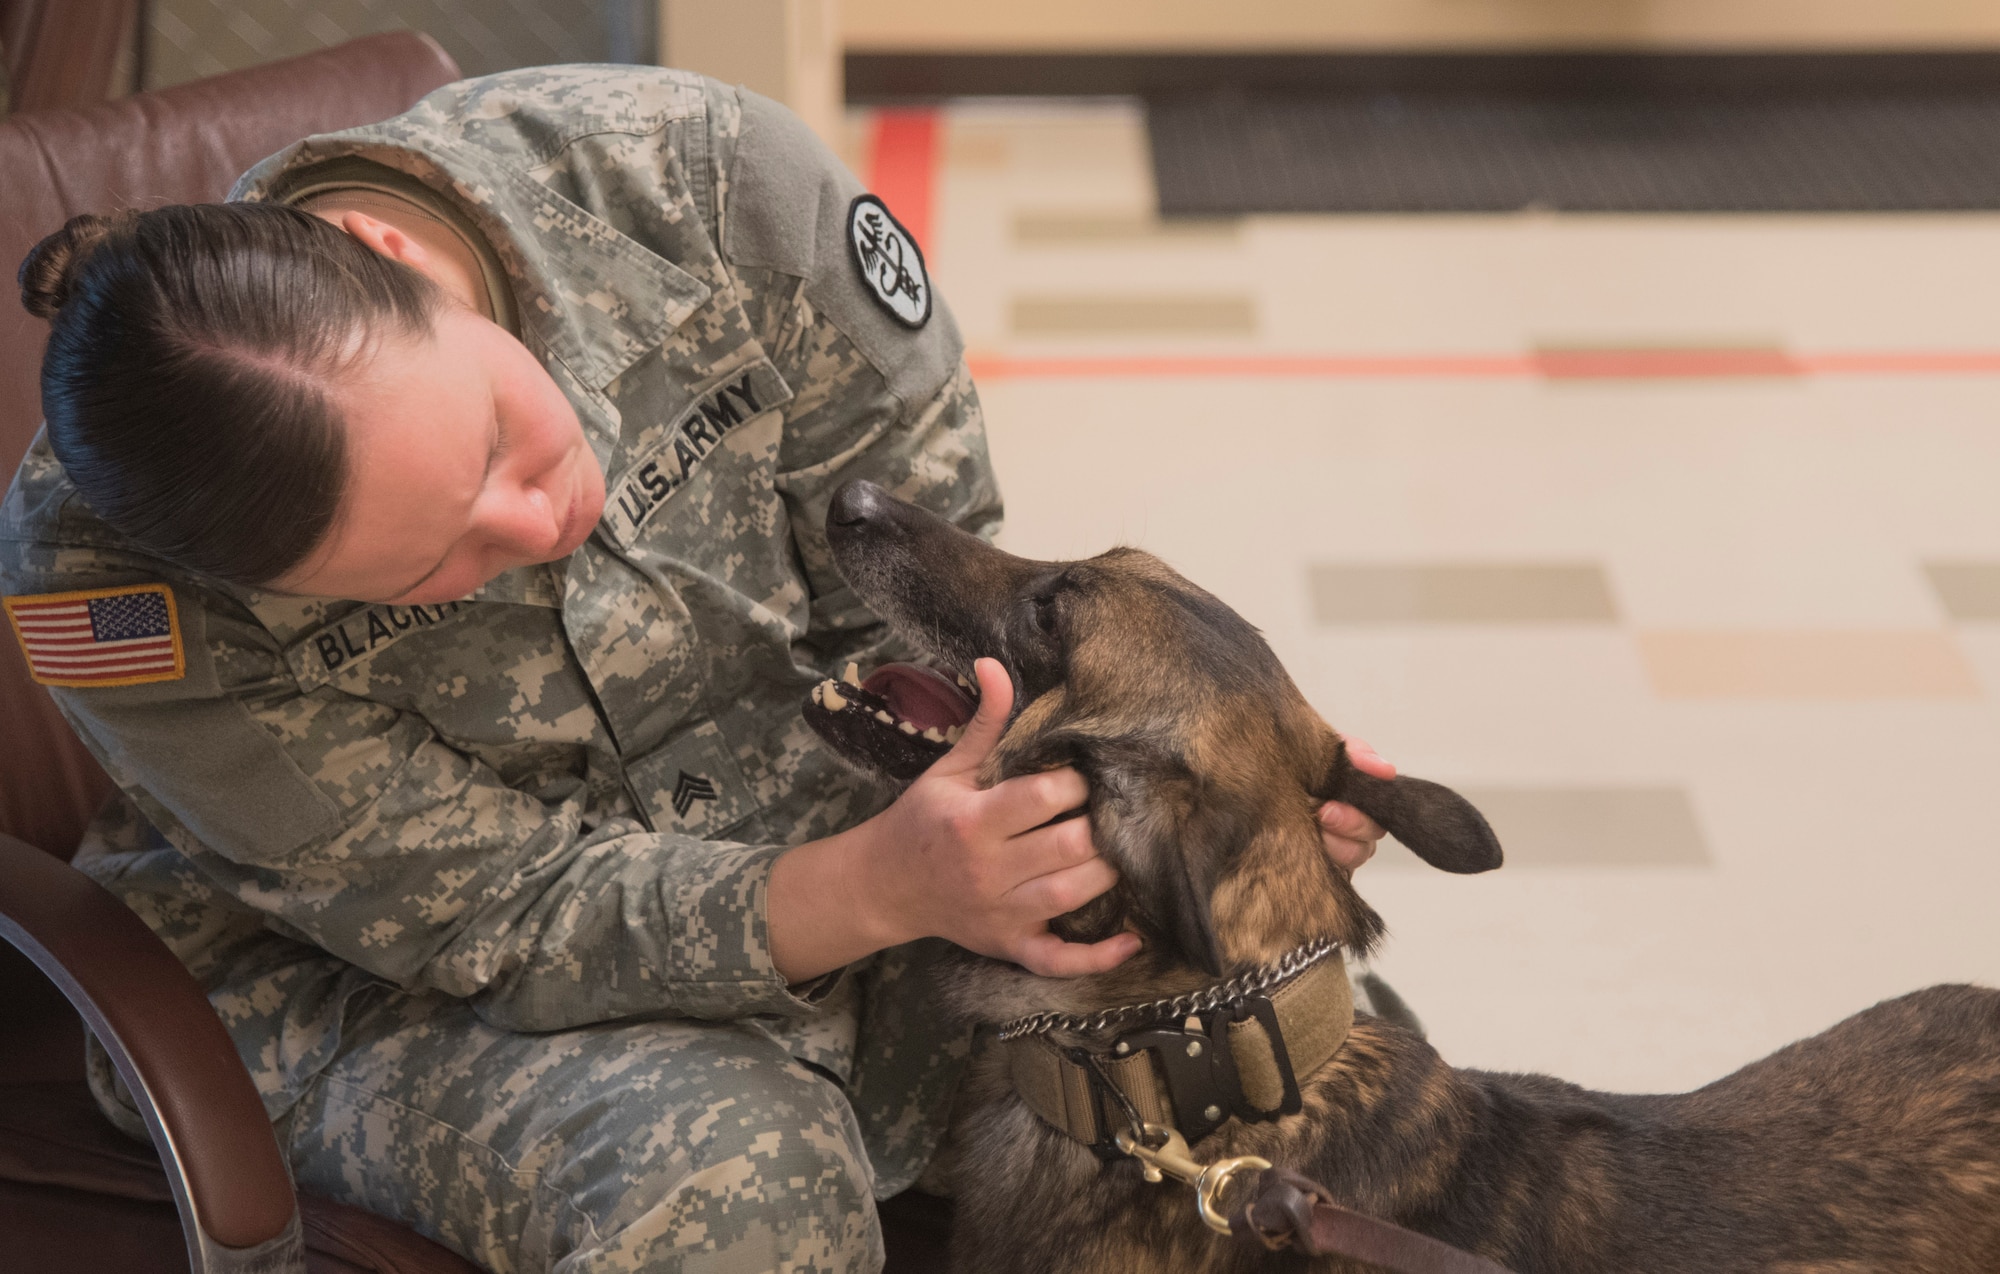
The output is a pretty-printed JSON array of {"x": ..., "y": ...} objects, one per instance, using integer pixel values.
[{"x": 1673, "y": 541}]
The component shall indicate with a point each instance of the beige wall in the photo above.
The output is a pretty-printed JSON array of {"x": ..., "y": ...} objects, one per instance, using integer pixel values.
[
  {"x": 1105, "y": 25},
  {"x": 785, "y": 49}
]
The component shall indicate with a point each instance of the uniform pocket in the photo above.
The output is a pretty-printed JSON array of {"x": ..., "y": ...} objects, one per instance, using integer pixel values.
[{"x": 691, "y": 785}]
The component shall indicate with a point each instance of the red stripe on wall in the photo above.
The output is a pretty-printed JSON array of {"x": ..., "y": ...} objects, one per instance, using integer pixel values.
[
  {"x": 1904, "y": 363},
  {"x": 1389, "y": 367},
  {"x": 1664, "y": 364},
  {"x": 1551, "y": 365},
  {"x": 902, "y": 169}
]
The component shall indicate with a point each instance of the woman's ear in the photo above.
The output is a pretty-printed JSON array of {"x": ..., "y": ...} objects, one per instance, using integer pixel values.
[{"x": 381, "y": 237}]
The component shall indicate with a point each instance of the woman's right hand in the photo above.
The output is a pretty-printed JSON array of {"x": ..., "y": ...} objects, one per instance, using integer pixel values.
[
  {"x": 981, "y": 867},
  {"x": 984, "y": 867}
]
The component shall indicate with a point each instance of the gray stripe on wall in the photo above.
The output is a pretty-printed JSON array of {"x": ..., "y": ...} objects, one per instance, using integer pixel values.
[
  {"x": 1134, "y": 316},
  {"x": 1063, "y": 229},
  {"x": 1583, "y": 827},
  {"x": 1968, "y": 590},
  {"x": 1443, "y": 593}
]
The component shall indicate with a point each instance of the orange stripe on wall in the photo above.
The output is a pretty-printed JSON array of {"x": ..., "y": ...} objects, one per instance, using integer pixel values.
[{"x": 902, "y": 169}]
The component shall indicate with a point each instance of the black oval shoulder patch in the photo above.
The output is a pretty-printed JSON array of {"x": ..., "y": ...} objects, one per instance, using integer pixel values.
[{"x": 891, "y": 263}]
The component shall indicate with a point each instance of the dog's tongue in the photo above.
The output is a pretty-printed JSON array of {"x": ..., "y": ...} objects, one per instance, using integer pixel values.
[{"x": 922, "y": 696}]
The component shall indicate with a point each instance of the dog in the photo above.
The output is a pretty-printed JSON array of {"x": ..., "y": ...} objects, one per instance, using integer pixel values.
[{"x": 1874, "y": 1146}]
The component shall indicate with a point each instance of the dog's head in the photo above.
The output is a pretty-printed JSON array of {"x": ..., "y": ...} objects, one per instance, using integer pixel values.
[{"x": 1206, "y": 765}]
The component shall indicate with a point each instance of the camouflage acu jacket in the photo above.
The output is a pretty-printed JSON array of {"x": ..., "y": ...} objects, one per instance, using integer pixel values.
[{"x": 560, "y": 797}]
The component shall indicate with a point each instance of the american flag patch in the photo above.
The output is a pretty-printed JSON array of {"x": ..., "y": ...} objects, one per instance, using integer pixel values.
[{"x": 101, "y": 637}]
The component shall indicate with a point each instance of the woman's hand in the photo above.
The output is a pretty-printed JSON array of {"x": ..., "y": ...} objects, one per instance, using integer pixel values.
[
  {"x": 1350, "y": 835},
  {"x": 981, "y": 867}
]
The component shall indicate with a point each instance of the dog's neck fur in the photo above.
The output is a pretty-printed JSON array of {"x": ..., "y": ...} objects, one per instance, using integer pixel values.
[{"x": 1277, "y": 893}]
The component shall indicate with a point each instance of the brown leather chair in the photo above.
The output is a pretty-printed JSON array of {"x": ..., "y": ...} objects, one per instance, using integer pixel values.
[
  {"x": 64, "y": 53},
  {"x": 76, "y": 1196}
]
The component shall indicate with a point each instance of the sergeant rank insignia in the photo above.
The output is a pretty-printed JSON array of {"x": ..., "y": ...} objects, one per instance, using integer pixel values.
[
  {"x": 890, "y": 262},
  {"x": 101, "y": 636},
  {"x": 691, "y": 788}
]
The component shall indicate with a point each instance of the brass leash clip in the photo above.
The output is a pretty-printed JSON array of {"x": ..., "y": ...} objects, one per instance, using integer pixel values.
[{"x": 1170, "y": 1158}]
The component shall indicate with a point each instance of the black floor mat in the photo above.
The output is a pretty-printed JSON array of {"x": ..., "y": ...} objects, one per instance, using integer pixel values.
[{"x": 1238, "y": 153}]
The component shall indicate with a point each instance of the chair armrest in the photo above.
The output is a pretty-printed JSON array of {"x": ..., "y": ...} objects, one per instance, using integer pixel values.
[{"x": 206, "y": 1119}]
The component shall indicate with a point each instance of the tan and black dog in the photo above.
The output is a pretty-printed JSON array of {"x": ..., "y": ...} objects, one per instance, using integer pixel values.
[{"x": 1874, "y": 1146}]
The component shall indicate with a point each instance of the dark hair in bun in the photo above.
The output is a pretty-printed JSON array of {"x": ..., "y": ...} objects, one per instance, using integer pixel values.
[
  {"x": 185, "y": 386},
  {"x": 48, "y": 271}
]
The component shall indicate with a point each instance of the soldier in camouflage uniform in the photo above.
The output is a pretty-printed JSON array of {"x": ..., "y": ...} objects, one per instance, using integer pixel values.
[
  {"x": 431, "y": 860},
  {"x": 479, "y": 886}
]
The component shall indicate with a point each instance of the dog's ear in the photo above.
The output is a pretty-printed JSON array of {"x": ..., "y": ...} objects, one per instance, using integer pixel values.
[
  {"x": 1169, "y": 841},
  {"x": 1150, "y": 821},
  {"x": 1439, "y": 826}
]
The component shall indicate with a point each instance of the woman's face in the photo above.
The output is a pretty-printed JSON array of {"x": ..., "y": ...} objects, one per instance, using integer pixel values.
[{"x": 463, "y": 460}]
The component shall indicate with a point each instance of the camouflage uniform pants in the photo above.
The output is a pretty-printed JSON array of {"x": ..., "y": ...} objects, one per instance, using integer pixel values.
[{"x": 692, "y": 1147}]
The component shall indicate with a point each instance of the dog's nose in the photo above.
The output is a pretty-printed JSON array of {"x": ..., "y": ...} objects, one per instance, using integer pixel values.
[{"x": 856, "y": 503}]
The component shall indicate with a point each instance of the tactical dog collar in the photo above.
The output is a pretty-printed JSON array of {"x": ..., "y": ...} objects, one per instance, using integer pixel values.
[{"x": 1232, "y": 1050}]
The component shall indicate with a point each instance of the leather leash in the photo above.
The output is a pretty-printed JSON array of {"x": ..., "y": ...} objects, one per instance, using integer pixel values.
[
  {"x": 1291, "y": 1211},
  {"x": 1287, "y": 1210}
]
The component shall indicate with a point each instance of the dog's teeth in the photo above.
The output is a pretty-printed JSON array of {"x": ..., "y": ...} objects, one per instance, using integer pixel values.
[
  {"x": 852, "y": 675},
  {"x": 906, "y": 727},
  {"x": 954, "y": 734},
  {"x": 934, "y": 734},
  {"x": 884, "y": 717},
  {"x": 963, "y": 682},
  {"x": 833, "y": 698}
]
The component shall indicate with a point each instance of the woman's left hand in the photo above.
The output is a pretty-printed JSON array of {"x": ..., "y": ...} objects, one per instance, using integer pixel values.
[{"x": 1349, "y": 834}]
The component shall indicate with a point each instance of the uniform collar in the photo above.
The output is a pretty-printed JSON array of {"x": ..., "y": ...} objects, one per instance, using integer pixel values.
[{"x": 592, "y": 296}]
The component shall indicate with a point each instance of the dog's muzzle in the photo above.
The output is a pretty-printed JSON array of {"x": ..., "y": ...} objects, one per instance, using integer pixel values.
[{"x": 897, "y": 721}]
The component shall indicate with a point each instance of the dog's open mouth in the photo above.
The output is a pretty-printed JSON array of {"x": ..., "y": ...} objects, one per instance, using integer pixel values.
[{"x": 898, "y": 720}]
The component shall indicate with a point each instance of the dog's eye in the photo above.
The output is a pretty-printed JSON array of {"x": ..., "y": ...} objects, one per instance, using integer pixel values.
[{"x": 1045, "y": 614}]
